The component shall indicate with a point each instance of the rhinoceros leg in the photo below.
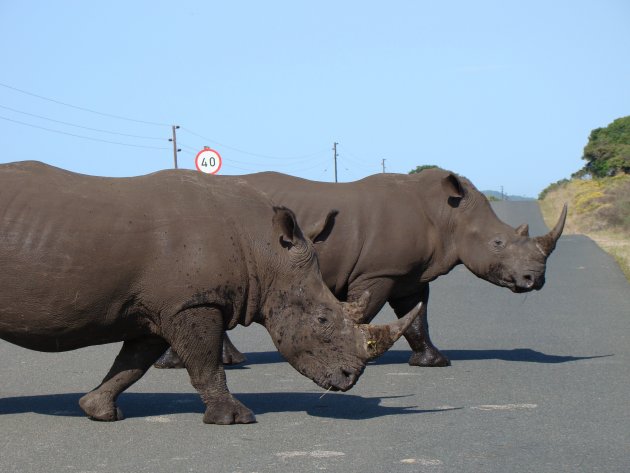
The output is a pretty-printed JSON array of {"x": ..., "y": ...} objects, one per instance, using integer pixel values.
[
  {"x": 231, "y": 356},
  {"x": 196, "y": 335},
  {"x": 134, "y": 359},
  {"x": 169, "y": 360},
  {"x": 424, "y": 352}
]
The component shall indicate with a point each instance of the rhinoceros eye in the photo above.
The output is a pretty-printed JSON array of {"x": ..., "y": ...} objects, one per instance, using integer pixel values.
[
  {"x": 322, "y": 320},
  {"x": 498, "y": 243}
]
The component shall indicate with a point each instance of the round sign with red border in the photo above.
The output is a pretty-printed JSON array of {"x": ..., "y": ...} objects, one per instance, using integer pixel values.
[{"x": 208, "y": 161}]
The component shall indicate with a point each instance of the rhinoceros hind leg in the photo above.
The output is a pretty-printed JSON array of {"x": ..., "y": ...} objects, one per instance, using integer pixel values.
[
  {"x": 100, "y": 407},
  {"x": 196, "y": 334},
  {"x": 424, "y": 352},
  {"x": 429, "y": 358},
  {"x": 134, "y": 359},
  {"x": 169, "y": 360},
  {"x": 231, "y": 355}
]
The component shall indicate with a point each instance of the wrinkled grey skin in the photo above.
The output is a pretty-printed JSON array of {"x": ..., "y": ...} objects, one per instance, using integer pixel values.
[
  {"x": 172, "y": 258},
  {"x": 396, "y": 233}
]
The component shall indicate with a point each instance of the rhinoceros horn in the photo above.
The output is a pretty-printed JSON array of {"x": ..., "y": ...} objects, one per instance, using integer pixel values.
[
  {"x": 547, "y": 243},
  {"x": 356, "y": 309},
  {"x": 379, "y": 338}
]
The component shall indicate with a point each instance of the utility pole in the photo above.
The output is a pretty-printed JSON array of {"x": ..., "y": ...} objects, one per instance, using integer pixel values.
[
  {"x": 175, "y": 149},
  {"x": 335, "y": 158},
  {"x": 502, "y": 194},
  {"x": 383, "y": 164}
]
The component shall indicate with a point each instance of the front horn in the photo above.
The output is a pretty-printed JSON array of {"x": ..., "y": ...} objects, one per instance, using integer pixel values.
[
  {"x": 547, "y": 243},
  {"x": 379, "y": 338}
]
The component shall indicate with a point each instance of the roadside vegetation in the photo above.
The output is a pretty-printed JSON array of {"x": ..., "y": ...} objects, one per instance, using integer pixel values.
[{"x": 599, "y": 194}]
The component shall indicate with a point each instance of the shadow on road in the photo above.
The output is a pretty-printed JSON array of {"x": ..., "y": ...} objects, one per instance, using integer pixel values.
[
  {"x": 330, "y": 405},
  {"x": 402, "y": 356},
  {"x": 517, "y": 354}
]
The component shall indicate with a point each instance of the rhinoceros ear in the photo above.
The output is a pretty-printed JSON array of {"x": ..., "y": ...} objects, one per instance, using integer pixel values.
[
  {"x": 453, "y": 188},
  {"x": 523, "y": 230},
  {"x": 321, "y": 230},
  {"x": 285, "y": 225}
]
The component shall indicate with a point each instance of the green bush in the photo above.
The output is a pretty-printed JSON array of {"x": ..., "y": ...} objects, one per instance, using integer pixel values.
[
  {"x": 422, "y": 168},
  {"x": 552, "y": 187},
  {"x": 607, "y": 152}
]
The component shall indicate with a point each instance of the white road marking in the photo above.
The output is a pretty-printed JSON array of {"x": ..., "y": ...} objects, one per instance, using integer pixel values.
[
  {"x": 504, "y": 407},
  {"x": 403, "y": 374},
  {"x": 422, "y": 461},
  {"x": 326, "y": 454},
  {"x": 162, "y": 419},
  {"x": 314, "y": 454}
]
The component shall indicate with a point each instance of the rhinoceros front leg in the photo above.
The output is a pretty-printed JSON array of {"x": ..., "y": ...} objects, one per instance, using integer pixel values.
[
  {"x": 196, "y": 335},
  {"x": 424, "y": 352},
  {"x": 134, "y": 359},
  {"x": 231, "y": 356}
]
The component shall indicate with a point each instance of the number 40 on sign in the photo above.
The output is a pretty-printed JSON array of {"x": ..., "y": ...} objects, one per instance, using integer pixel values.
[{"x": 208, "y": 161}]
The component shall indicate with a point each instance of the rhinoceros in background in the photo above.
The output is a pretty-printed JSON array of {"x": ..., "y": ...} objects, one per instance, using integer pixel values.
[
  {"x": 169, "y": 258},
  {"x": 395, "y": 233}
]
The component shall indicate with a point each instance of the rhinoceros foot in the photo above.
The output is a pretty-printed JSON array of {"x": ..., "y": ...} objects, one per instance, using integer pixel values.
[
  {"x": 429, "y": 358},
  {"x": 169, "y": 359},
  {"x": 227, "y": 411},
  {"x": 231, "y": 355},
  {"x": 98, "y": 406}
]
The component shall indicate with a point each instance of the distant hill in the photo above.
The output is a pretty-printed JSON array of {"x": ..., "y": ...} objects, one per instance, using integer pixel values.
[{"x": 497, "y": 195}]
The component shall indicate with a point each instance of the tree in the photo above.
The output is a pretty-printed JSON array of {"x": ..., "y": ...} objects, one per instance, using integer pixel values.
[
  {"x": 422, "y": 168},
  {"x": 607, "y": 152}
]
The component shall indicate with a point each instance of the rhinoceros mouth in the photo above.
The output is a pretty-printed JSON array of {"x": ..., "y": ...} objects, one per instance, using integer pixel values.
[
  {"x": 341, "y": 379},
  {"x": 527, "y": 287}
]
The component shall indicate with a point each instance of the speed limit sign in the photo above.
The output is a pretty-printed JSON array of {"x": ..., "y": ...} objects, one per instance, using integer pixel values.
[{"x": 208, "y": 161}]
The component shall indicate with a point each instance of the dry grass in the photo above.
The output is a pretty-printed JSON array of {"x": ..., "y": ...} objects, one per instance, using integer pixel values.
[{"x": 599, "y": 209}]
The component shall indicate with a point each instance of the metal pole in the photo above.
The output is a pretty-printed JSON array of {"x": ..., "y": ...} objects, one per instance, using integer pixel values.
[
  {"x": 383, "y": 163},
  {"x": 175, "y": 150},
  {"x": 335, "y": 158}
]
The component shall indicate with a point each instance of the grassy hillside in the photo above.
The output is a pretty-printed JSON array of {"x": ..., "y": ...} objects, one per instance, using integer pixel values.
[{"x": 599, "y": 208}]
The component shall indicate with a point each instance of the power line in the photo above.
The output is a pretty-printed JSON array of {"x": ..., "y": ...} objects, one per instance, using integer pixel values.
[
  {"x": 348, "y": 155},
  {"x": 295, "y": 160},
  {"x": 80, "y": 136},
  {"x": 258, "y": 155},
  {"x": 84, "y": 109},
  {"x": 119, "y": 117},
  {"x": 81, "y": 126}
]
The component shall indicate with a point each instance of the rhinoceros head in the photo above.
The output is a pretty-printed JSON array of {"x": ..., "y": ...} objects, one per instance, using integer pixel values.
[
  {"x": 493, "y": 250},
  {"x": 317, "y": 334}
]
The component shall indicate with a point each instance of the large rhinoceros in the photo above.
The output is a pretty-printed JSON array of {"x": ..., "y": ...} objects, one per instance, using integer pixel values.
[
  {"x": 395, "y": 233},
  {"x": 169, "y": 258}
]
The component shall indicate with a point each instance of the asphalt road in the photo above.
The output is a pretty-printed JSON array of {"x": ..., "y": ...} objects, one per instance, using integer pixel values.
[{"x": 539, "y": 383}]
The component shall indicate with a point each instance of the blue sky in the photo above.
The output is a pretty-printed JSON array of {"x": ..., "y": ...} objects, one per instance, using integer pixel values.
[{"x": 504, "y": 93}]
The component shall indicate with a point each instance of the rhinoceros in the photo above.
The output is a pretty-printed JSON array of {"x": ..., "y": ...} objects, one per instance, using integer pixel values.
[
  {"x": 395, "y": 233},
  {"x": 175, "y": 259}
]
